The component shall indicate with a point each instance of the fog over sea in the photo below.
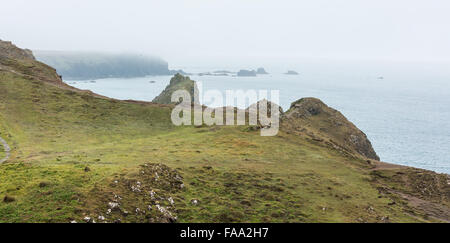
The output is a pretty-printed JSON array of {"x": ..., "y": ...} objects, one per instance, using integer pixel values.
[{"x": 403, "y": 108}]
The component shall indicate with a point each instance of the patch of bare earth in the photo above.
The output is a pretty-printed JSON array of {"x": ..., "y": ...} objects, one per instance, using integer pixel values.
[{"x": 426, "y": 193}]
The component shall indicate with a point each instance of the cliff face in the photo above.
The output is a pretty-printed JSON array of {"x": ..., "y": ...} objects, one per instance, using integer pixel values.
[
  {"x": 82, "y": 66},
  {"x": 178, "y": 82},
  {"x": 313, "y": 117},
  {"x": 9, "y": 50}
]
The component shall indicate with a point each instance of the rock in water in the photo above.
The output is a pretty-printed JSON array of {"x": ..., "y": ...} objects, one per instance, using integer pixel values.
[
  {"x": 261, "y": 71},
  {"x": 246, "y": 73},
  {"x": 178, "y": 82},
  {"x": 290, "y": 72},
  {"x": 312, "y": 116}
]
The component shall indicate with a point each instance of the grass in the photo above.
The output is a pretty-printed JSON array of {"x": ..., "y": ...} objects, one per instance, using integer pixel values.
[{"x": 235, "y": 174}]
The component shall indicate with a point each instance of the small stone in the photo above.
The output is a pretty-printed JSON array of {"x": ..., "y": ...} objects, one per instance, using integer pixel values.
[
  {"x": 87, "y": 219},
  {"x": 113, "y": 205},
  {"x": 43, "y": 184},
  {"x": 170, "y": 199},
  {"x": 101, "y": 218},
  {"x": 8, "y": 199},
  {"x": 194, "y": 201}
]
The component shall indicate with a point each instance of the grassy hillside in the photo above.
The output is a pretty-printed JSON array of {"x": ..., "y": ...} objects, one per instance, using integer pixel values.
[{"x": 76, "y": 155}]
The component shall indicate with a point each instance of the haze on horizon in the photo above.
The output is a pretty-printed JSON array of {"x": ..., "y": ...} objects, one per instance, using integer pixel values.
[{"x": 199, "y": 31}]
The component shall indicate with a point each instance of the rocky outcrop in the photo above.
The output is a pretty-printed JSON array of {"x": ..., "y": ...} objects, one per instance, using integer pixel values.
[
  {"x": 144, "y": 197},
  {"x": 178, "y": 82},
  {"x": 255, "y": 108},
  {"x": 290, "y": 72},
  {"x": 313, "y": 117},
  {"x": 246, "y": 73},
  {"x": 261, "y": 71},
  {"x": 9, "y": 50},
  {"x": 22, "y": 62}
]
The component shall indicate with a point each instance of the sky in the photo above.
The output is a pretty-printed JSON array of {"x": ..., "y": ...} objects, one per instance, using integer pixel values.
[{"x": 199, "y": 31}]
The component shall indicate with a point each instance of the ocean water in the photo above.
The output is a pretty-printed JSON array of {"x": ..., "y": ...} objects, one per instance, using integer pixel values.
[{"x": 405, "y": 114}]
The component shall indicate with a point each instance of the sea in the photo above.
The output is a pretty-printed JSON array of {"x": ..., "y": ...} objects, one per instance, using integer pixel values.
[{"x": 404, "y": 108}]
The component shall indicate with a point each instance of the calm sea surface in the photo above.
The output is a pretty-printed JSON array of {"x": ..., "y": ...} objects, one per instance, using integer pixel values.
[{"x": 405, "y": 114}]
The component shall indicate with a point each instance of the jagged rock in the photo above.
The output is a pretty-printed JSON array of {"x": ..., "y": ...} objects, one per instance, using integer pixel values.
[
  {"x": 178, "y": 82},
  {"x": 313, "y": 117},
  {"x": 9, "y": 50},
  {"x": 256, "y": 108}
]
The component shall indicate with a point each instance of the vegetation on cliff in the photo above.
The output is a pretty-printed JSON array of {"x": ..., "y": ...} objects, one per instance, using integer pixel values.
[
  {"x": 178, "y": 82},
  {"x": 77, "y": 156},
  {"x": 79, "y": 65}
]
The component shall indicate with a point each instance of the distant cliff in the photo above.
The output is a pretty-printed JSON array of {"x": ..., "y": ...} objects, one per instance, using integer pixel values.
[{"x": 85, "y": 65}]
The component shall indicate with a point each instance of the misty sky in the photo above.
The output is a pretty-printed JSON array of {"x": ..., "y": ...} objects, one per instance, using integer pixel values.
[{"x": 183, "y": 30}]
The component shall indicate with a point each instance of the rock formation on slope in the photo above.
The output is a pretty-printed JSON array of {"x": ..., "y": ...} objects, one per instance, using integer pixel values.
[
  {"x": 178, "y": 82},
  {"x": 9, "y": 50},
  {"x": 255, "y": 108},
  {"x": 312, "y": 116}
]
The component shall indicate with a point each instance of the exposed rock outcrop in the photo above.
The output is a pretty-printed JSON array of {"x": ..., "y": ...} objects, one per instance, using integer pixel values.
[
  {"x": 255, "y": 108},
  {"x": 147, "y": 196},
  {"x": 178, "y": 82},
  {"x": 261, "y": 71},
  {"x": 9, "y": 50},
  {"x": 313, "y": 117},
  {"x": 246, "y": 73}
]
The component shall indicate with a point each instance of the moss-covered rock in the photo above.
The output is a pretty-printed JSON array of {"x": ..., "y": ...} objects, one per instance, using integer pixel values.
[{"x": 178, "y": 82}]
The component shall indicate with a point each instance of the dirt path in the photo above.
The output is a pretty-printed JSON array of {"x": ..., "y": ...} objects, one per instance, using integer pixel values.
[{"x": 7, "y": 150}]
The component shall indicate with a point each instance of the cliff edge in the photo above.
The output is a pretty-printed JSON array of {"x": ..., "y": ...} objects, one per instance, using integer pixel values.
[{"x": 315, "y": 118}]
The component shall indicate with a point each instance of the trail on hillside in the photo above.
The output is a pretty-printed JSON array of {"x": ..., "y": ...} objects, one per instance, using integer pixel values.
[{"x": 7, "y": 150}]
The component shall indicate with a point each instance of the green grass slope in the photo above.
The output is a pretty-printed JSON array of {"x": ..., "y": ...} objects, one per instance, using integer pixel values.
[{"x": 78, "y": 156}]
